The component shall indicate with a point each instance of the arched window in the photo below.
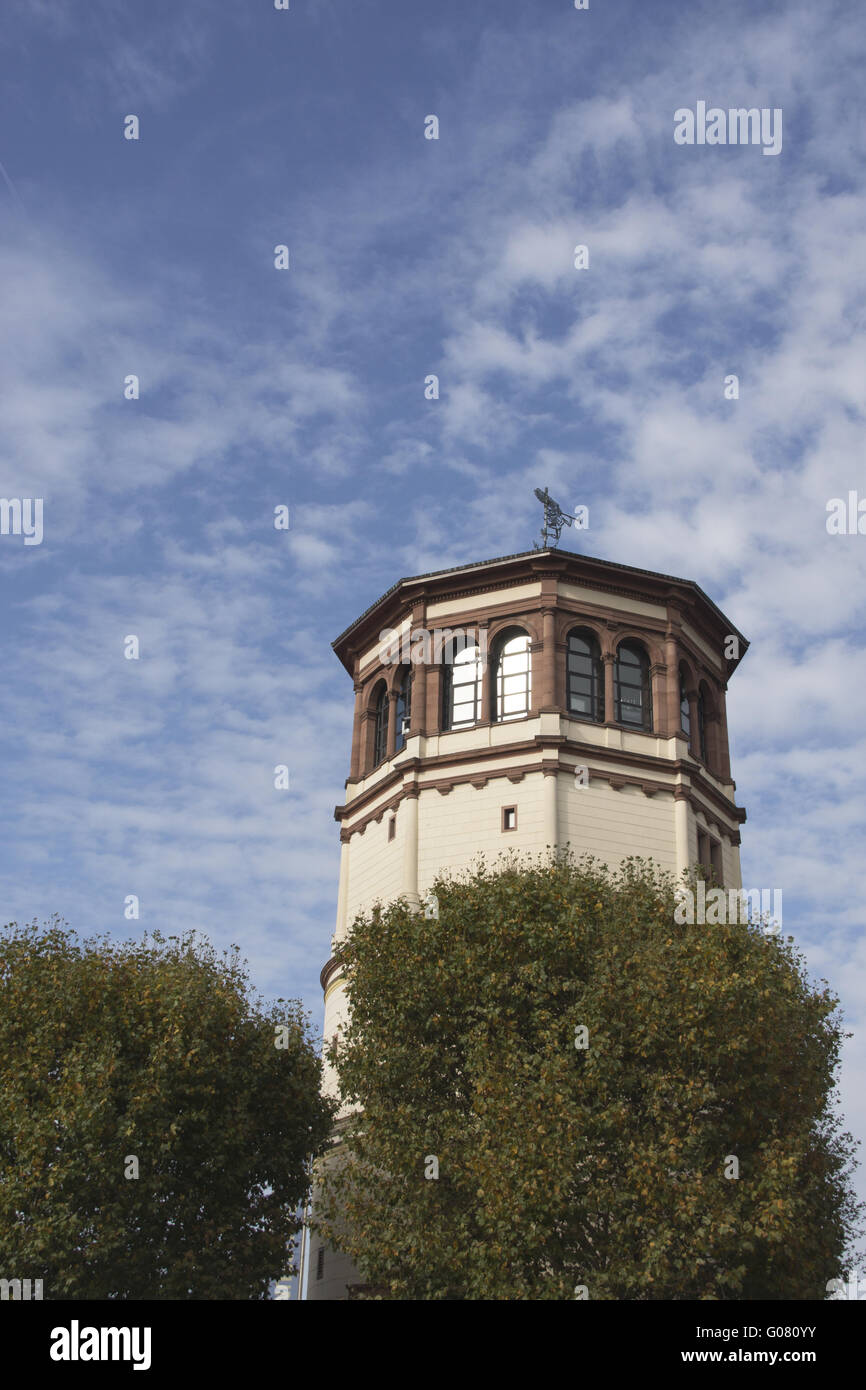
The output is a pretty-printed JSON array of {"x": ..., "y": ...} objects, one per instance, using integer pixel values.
[
  {"x": 403, "y": 710},
  {"x": 512, "y": 676},
  {"x": 585, "y": 678},
  {"x": 380, "y": 738},
  {"x": 461, "y": 694},
  {"x": 702, "y": 724},
  {"x": 632, "y": 691},
  {"x": 685, "y": 716}
]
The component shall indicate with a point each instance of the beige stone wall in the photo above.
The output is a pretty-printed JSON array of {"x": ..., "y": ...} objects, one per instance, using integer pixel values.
[
  {"x": 733, "y": 872},
  {"x": 517, "y": 593},
  {"x": 376, "y": 865},
  {"x": 614, "y": 824},
  {"x": 712, "y": 656},
  {"x": 335, "y": 1014},
  {"x": 455, "y": 828},
  {"x": 600, "y": 598}
]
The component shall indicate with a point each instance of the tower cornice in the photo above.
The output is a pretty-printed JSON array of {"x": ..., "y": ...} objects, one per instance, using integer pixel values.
[
  {"x": 531, "y": 755},
  {"x": 682, "y": 599}
]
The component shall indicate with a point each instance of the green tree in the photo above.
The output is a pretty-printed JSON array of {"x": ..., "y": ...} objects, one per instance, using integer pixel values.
[
  {"x": 605, "y": 1166},
  {"x": 151, "y": 1058}
]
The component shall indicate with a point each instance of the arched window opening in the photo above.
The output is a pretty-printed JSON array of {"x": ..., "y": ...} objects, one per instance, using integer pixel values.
[
  {"x": 632, "y": 690},
  {"x": 380, "y": 739},
  {"x": 403, "y": 710},
  {"x": 462, "y": 672},
  {"x": 585, "y": 678},
  {"x": 702, "y": 724},
  {"x": 685, "y": 715},
  {"x": 512, "y": 677}
]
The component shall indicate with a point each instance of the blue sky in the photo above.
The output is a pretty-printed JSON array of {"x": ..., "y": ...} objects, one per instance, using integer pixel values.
[{"x": 306, "y": 387}]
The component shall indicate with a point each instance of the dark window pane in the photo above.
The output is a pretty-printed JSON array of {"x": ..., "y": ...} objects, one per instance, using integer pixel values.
[
  {"x": 380, "y": 742},
  {"x": 632, "y": 688},
  {"x": 585, "y": 678}
]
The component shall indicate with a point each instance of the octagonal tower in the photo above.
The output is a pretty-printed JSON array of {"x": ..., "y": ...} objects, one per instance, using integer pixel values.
[{"x": 532, "y": 701}]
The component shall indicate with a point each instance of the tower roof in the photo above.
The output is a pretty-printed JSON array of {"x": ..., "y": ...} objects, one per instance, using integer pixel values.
[{"x": 527, "y": 565}]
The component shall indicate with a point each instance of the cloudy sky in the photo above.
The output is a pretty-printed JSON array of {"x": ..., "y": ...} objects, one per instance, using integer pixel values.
[{"x": 305, "y": 387}]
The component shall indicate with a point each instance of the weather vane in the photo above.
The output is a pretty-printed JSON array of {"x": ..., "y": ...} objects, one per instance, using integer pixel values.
[{"x": 554, "y": 519}]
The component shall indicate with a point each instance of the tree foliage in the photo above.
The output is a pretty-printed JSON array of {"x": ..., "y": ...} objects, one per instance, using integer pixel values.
[
  {"x": 153, "y": 1052},
  {"x": 605, "y": 1168}
]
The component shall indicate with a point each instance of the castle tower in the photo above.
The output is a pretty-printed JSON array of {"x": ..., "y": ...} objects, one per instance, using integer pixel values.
[{"x": 535, "y": 700}]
